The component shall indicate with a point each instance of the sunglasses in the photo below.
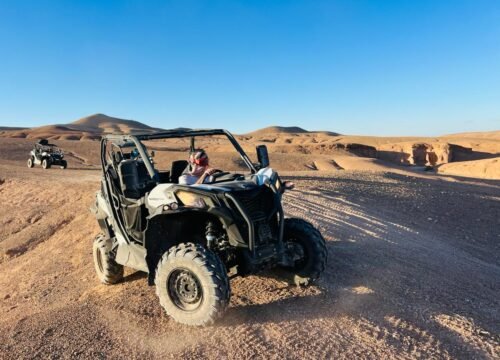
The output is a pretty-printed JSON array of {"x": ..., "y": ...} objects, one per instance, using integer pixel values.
[{"x": 202, "y": 160}]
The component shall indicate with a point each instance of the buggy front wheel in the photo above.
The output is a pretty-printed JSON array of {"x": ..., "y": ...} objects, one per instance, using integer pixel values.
[
  {"x": 64, "y": 164},
  {"x": 45, "y": 164},
  {"x": 30, "y": 162},
  {"x": 192, "y": 284}
]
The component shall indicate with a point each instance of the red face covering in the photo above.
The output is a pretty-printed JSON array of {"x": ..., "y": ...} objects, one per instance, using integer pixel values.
[{"x": 199, "y": 162}]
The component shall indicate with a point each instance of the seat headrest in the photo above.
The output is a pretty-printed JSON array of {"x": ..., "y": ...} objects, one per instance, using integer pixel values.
[{"x": 118, "y": 157}]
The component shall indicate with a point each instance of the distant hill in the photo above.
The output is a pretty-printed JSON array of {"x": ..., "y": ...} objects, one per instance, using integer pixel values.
[
  {"x": 278, "y": 130},
  {"x": 94, "y": 126},
  {"x": 89, "y": 127},
  {"x": 107, "y": 124},
  {"x": 284, "y": 130},
  {"x": 490, "y": 135},
  {"x": 11, "y": 128}
]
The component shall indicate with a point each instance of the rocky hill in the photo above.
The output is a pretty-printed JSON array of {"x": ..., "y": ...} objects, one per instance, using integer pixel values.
[{"x": 87, "y": 128}]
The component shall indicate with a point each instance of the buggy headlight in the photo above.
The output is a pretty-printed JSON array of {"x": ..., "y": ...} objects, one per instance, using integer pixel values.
[
  {"x": 195, "y": 200},
  {"x": 277, "y": 183}
]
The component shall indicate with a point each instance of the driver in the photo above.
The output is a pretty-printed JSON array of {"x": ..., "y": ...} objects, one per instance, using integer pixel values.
[
  {"x": 134, "y": 154},
  {"x": 199, "y": 171}
]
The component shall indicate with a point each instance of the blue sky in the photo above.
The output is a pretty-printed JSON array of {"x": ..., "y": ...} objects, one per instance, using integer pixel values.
[{"x": 353, "y": 66}]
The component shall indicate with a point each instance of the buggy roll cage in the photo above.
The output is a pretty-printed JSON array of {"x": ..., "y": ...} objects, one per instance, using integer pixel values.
[
  {"x": 51, "y": 148},
  {"x": 128, "y": 140},
  {"x": 169, "y": 134}
]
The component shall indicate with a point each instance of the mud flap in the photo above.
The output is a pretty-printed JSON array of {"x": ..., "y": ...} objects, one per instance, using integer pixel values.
[{"x": 132, "y": 255}]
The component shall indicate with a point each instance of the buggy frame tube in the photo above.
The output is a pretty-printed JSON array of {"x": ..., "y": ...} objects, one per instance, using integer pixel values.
[
  {"x": 108, "y": 191},
  {"x": 137, "y": 138}
]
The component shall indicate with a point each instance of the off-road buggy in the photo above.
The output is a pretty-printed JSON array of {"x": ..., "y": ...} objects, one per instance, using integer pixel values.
[
  {"x": 191, "y": 239},
  {"x": 46, "y": 154}
]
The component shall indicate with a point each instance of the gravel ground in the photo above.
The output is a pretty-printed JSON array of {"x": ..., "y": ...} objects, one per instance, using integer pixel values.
[{"x": 413, "y": 272}]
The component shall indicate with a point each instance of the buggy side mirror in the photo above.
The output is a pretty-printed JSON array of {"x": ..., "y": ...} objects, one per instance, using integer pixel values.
[{"x": 262, "y": 156}]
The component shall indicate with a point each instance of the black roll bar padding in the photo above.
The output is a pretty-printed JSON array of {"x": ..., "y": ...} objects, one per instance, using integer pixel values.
[
  {"x": 103, "y": 154},
  {"x": 281, "y": 224},
  {"x": 145, "y": 158}
]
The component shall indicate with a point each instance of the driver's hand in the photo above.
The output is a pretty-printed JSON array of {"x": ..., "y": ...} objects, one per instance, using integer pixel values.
[
  {"x": 288, "y": 185},
  {"x": 210, "y": 172}
]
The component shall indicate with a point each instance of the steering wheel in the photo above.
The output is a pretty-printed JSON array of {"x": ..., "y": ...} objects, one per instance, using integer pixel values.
[{"x": 216, "y": 175}]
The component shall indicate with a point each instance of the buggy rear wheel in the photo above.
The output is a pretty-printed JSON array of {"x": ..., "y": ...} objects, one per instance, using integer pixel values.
[
  {"x": 107, "y": 269},
  {"x": 64, "y": 164},
  {"x": 30, "y": 162},
  {"x": 192, "y": 284},
  {"x": 45, "y": 163}
]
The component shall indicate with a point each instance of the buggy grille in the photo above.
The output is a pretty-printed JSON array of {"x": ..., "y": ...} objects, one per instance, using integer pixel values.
[{"x": 258, "y": 204}]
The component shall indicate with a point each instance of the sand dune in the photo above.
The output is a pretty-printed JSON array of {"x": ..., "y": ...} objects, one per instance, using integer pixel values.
[{"x": 485, "y": 168}]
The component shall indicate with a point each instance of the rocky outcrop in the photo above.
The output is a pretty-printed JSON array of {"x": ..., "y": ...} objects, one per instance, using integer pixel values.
[
  {"x": 425, "y": 154},
  {"x": 361, "y": 150},
  {"x": 328, "y": 148},
  {"x": 353, "y": 148}
]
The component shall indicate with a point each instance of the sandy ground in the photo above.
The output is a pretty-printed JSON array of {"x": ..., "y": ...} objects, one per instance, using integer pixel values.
[{"x": 413, "y": 272}]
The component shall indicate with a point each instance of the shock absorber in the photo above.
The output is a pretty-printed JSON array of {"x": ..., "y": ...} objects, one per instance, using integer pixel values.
[{"x": 210, "y": 233}]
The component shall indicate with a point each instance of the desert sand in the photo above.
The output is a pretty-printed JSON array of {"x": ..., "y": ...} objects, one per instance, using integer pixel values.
[{"x": 413, "y": 271}]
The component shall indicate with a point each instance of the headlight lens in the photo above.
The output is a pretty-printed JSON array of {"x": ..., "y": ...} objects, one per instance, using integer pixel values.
[
  {"x": 275, "y": 180},
  {"x": 277, "y": 184},
  {"x": 193, "y": 199}
]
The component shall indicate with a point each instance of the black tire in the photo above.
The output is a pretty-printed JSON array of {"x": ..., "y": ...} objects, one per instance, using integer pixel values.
[
  {"x": 192, "y": 284},
  {"x": 108, "y": 271},
  {"x": 30, "y": 162},
  {"x": 303, "y": 237},
  {"x": 45, "y": 163},
  {"x": 64, "y": 164}
]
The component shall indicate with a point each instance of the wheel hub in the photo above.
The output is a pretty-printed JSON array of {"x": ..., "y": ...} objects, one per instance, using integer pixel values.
[
  {"x": 185, "y": 290},
  {"x": 297, "y": 253},
  {"x": 186, "y": 287}
]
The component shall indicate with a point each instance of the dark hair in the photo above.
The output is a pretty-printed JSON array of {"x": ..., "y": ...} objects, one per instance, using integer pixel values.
[{"x": 202, "y": 151}]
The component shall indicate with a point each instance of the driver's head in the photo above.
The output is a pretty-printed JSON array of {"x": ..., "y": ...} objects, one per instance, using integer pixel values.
[{"x": 198, "y": 161}]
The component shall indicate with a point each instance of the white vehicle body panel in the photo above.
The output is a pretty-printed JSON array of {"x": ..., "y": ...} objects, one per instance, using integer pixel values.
[{"x": 161, "y": 195}]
